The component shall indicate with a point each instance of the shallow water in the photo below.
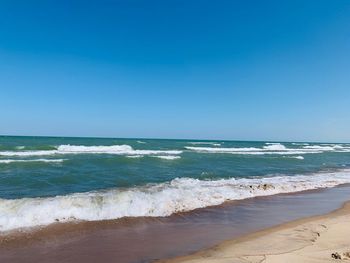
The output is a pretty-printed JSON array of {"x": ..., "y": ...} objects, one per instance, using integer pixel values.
[{"x": 147, "y": 239}]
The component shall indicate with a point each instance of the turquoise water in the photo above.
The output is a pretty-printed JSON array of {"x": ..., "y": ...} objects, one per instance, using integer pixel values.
[
  {"x": 86, "y": 172},
  {"x": 128, "y": 177}
]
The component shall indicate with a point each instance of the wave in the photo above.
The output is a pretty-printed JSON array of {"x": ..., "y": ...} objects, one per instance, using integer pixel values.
[
  {"x": 20, "y": 147},
  {"x": 134, "y": 156},
  {"x": 249, "y": 151},
  {"x": 33, "y": 160},
  {"x": 272, "y": 148},
  {"x": 206, "y": 143},
  {"x": 275, "y": 147},
  {"x": 28, "y": 153},
  {"x": 269, "y": 148},
  {"x": 221, "y": 150},
  {"x": 167, "y": 157},
  {"x": 81, "y": 149},
  {"x": 328, "y": 147},
  {"x": 163, "y": 199},
  {"x": 299, "y": 157}
]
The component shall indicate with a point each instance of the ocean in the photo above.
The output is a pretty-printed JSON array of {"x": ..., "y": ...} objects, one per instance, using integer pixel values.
[{"x": 45, "y": 180}]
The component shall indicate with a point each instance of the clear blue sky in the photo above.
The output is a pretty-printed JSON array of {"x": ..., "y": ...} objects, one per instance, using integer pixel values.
[{"x": 251, "y": 70}]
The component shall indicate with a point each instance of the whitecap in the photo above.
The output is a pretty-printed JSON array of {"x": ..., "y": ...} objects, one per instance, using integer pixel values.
[
  {"x": 31, "y": 160},
  {"x": 271, "y": 148},
  {"x": 134, "y": 156},
  {"x": 299, "y": 157},
  {"x": 163, "y": 199},
  {"x": 206, "y": 143},
  {"x": 82, "y": 149},
  {"x": 167, "y": 157}
]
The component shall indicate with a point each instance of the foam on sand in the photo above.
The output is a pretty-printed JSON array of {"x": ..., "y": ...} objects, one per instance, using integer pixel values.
[{"x": 163, "y": 199}]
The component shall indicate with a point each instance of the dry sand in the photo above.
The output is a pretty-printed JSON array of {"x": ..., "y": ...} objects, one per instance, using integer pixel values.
[{"x": 323, "y": 238}]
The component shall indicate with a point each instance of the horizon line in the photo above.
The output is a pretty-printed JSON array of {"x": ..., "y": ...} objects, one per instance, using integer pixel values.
[{"x": 175, "y": 139}]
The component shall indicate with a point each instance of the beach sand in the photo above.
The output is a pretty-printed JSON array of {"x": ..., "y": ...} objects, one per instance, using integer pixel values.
[{"x": 323, "y": 238}]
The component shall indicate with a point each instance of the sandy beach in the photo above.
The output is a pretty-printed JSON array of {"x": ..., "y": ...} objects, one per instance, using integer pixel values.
[{"x": 323, "y": 238}]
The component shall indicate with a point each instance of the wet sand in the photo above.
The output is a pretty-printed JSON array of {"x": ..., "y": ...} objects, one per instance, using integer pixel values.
[
  {"x": 149, "y": 239},
  {"x": 323, "y": 238}
]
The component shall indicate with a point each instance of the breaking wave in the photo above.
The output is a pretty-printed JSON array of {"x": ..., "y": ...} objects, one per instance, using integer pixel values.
[
  {"x": 167, "y": 157},
  {"x": 273, "y": 148},
  {"x": 299, "y": 157},
  {"x": 163, "y": 199},
  {"x": 32, "y": 160},
  {"x": 81, "y": 149},
  {"x": 205, "y": 143}
]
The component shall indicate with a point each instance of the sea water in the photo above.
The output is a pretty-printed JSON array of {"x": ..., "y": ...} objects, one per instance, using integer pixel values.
[{"x": 45, "y": 180}]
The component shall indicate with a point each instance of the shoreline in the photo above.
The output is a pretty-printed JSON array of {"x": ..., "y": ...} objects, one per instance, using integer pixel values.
[
  {"x": 58, "y": 225},
  {"x": 60, "y": 228},
  {"x": 320, "y": 238},
  {"x": 150, "y": 239}
]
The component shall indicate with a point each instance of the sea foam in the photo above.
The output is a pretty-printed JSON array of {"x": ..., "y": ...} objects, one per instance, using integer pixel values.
[
  {"x": 32, "y": 160},
  {"x": 163, "y": 199},
  {"x": 206, "y": 143},
  {"x": 167, "y": 157},
  {"x": 271, "y": 148},
  {"x": 82, "y": 149}
]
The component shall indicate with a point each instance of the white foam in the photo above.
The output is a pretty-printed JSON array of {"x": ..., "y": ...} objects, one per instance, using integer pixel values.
[
  {"x": 134, "y": 156},
  {"x": 222, "y": 150},
  {"x": 20, "y": 147},
  {"x": 164, "y": 199},
  {"x": 82, "y": 149},
  {"x": 167, "y": 157},
  {"x": 252, "y": 150},
  {"x": 269, "y": 148},
  {"x": 298, "y": 157},
  {"x": 319, "y": 147},
  {"x": 32, "y": 160},
  {"x": 28, "y": 153},
  {"x": 273, "y": 148},
  {"x": 206, "y": 143}
]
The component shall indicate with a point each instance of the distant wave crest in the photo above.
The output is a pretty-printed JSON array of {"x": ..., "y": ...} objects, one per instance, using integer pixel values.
[
  {"x": 82, "y": 149},
  {"x": 272, "y": 148},
  {"x": 31, "y": 160}
]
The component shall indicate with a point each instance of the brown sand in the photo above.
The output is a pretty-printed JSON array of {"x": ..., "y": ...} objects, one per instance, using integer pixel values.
[{"x": 323, "y": 238}]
